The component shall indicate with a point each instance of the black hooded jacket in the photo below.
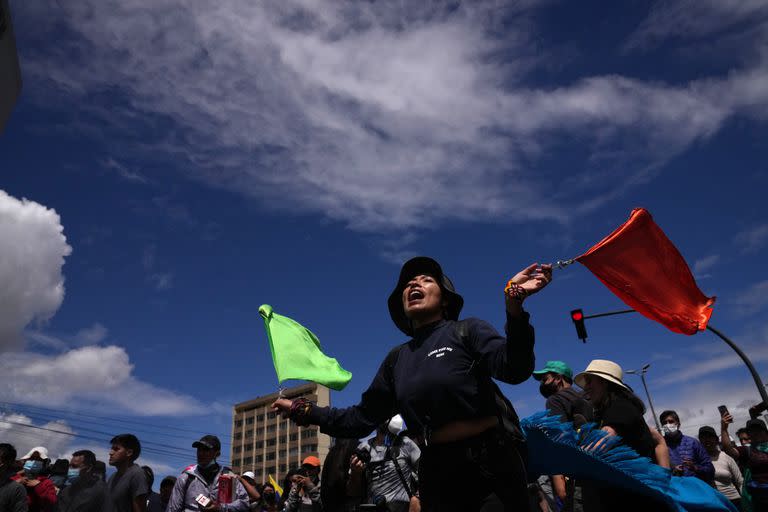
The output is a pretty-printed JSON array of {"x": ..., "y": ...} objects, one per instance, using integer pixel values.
[{"x": 437, "y": 378}]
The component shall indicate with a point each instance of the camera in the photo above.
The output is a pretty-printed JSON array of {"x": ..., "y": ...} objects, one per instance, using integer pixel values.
[{"x": 363, "y": 455}]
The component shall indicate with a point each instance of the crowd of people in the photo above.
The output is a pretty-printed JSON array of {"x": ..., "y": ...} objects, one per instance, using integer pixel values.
[{"x": 446, "y": 439}]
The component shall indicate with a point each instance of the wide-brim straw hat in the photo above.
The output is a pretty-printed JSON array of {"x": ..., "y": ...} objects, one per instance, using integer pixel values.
[{"x": 606, "y": 370}]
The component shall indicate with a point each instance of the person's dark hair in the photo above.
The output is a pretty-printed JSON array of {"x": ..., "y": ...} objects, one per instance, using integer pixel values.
[
  {"x": 100, "y": 468},
  {"x": 150, "y": 475},
  {"x": 267, "y": 484},
  {"x": 88, "y": 457},
  {"x": 614, "y": 391},
  {"x": 742, "y": 430},
  {"x": 129, "y": 442},
  {"x": 333, "y": 492},
  {"x": 168, "y": 481},
  {"x": 7, "y": 453},
  {"x": 59, "y": 467},
  {"x": 287, "y": 484},
  {"x": 666, "y": 414}
]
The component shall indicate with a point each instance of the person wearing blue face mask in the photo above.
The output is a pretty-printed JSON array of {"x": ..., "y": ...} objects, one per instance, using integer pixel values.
[
  {"x": 84, "y": 490},
  {"x": 41, "y": 493}
]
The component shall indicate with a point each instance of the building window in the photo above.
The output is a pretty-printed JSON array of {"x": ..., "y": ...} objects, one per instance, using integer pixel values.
[
  {"x": 248, "y": 447},
  {"x": 310, "y": 447},
  {"x": 259, "y": 445},
  {"x": 247, "y": 461},
  {"x": 236, "y": 449},
  {"x": 238, "y": 423},
  {"x": 260, "y": 418},
  {"x": 282, "y": 439},
  {"x": 271, "y": 456},
  {"x": 259, "y": 458},
  {"x": 283, "y": 468},
  {"x": 310, "y": 432},
  {"x": 249, "y": 420},
  {"x": 293, "y": 451},
  {"x": 271, "y": 442},
  {"x": 248, "y": 433},
  {"x": 294, "y": 437},
  {"x": 271, "y": 470},
  {"x": 271, "y": 428},
  {"x": 271, "y": 415},
  {"x": 238, "y": 435}
]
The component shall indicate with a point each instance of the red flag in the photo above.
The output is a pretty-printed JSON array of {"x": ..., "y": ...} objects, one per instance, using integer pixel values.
[{"x": 639, "y": 264}]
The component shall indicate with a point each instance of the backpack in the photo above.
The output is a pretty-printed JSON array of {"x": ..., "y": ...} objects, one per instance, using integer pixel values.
[{"x": 509, "y": 422}]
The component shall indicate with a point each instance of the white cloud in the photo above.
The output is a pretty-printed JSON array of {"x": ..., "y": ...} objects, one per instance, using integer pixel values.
[
  {"x": 753, "y": 299},
  {"x": 697, "y": 402},
  {"x": 62, "y": 439},
  {"x": 161, "y": 281},
  {"x": 384, "y": 116},
  {"x": 701, "y": 266},
  {"x": 753, "y": 238},
  {"x": 24, "y": 434},
  {"x": 694, "y": 19},
  {"x": 96, "y": 333},
  {"x": 94, "y": 375},
  {"x": 31, "y": 258},
  {"x": 714, "y": 356}
]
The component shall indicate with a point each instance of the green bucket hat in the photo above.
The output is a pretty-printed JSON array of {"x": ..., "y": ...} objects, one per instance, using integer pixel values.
[{"x": 558, "y": 367}]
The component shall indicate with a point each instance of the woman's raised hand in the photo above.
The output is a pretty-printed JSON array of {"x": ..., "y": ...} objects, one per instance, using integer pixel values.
[{"x": 533, "y": 278}]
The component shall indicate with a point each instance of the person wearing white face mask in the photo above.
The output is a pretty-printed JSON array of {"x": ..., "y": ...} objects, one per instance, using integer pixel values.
[{"x": 687, "y": 455}]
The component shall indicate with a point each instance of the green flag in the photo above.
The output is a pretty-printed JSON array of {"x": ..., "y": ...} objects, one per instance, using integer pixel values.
[{"x": 297, "y": 355}]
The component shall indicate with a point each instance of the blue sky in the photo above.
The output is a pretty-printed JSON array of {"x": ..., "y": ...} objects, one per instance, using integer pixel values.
[{"x": 204, "y": 160}]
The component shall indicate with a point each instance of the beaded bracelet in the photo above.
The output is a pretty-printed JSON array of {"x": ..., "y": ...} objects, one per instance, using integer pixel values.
[
  {"x": 515, "y": 292},
  {"x": 300, "y": 409}
]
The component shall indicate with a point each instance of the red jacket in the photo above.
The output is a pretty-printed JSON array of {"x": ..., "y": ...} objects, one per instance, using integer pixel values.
[{"x": 42, "y": 497}]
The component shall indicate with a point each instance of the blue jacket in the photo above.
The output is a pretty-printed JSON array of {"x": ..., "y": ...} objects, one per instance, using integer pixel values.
[{"x": 682, "y": 448}]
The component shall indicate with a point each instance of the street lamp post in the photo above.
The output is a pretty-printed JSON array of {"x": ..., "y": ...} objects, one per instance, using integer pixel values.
[{"x": 641, "y": 372}]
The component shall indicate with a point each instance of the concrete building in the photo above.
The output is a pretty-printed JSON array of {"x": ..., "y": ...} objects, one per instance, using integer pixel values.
[
  {"x": 10, "y": 74},
  {"x": 266, "y": 444}
]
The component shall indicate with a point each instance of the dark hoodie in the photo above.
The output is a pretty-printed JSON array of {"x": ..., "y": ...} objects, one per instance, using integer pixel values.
[{"x": 87, "y": 494}]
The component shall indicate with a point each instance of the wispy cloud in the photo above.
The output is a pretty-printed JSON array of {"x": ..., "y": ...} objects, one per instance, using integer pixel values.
[
  {"x": 384, "y": 116},
  {"x": 753, "y": 299},
  {"x": 716, "y": 357},
  {"x": 752, "y": 239},
  {"x": 689, "y": 19},
  {"x": 161, "y": 281},
  {"x": 122, "y": 171},
  {"x": 703, "y": 265}
]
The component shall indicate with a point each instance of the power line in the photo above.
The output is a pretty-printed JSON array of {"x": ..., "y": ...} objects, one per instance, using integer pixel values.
[
  {"x": 48, "y": 416},
  {"x": 114, "y": 419},
  {"x": 154, "y": 451}
]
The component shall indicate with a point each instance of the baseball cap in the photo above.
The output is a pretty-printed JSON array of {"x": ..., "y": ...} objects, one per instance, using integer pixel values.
[
  {"x": 558, "y": 367},
  {"x": 311, "y": 461},
  {"x": 250, "y": 474},
  {"x": 707, "y": 431},
  {"x": 211, "y": 442}
]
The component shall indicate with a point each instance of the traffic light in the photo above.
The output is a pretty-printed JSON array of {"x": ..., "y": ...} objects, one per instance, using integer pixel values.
[{"x": 578, "y": 320}]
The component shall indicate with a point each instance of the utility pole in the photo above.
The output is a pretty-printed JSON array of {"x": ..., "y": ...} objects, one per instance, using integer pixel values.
[{"x": 641, "y": 372}]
